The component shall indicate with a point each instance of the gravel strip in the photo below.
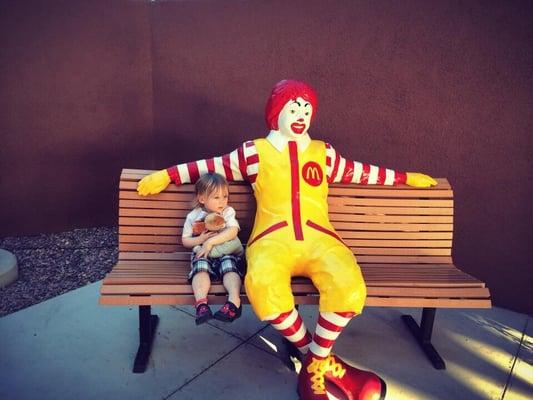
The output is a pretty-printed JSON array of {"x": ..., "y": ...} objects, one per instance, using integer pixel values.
[{"x": 53, "y": 264}]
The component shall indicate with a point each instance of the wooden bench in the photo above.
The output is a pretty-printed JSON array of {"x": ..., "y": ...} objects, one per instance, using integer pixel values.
[{"x": 402, "y": 238}]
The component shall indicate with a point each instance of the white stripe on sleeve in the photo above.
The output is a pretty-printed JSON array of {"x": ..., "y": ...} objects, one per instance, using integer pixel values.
[
  {"x": 202, "y": 167},
  {"x": 184, "y": 173},
  {"x": 234, "y": 163},
  {"x": 357, "y": 172},
  {"x": 389, "y": 177},
  {"x": 340, "y": 170},
  {"x": 373, "y": 175},
  {"x": 219, "y": 166}
]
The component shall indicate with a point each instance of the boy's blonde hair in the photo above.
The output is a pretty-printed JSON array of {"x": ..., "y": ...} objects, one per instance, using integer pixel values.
[{"x": 207, "y": 184}]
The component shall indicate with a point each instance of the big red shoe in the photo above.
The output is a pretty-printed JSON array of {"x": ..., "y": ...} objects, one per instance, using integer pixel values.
[
  {"x": 311, "y": 383},
  {"x": 355, "y": 383}
]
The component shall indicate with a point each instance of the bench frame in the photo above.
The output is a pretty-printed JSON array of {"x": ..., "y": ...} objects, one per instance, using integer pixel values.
[{"x": 152, "y": 263}]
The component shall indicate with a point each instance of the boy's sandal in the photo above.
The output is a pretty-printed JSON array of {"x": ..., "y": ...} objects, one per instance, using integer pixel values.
[
  {"x": 203, "y": 313},
  {"x": 229, "y": 312}
]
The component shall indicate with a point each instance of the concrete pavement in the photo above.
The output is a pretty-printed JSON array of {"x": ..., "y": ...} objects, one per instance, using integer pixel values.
[{"x": 69, "y": 347}]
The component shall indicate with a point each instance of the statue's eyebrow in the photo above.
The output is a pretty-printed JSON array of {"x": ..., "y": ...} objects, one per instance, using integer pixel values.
[
  {"x": 299, "y": 105},
  {"x": 307, "y": 104}
]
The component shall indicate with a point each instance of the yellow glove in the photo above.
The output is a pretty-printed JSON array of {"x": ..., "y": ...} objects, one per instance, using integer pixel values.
[
  {"x": 419, "y": 180},
  {"x": 154, "y": 183}
]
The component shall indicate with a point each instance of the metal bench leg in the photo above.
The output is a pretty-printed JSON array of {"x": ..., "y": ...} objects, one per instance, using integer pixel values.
[
  {"x": 423, "y": 333},
  {"x": 147, "y": 326}
]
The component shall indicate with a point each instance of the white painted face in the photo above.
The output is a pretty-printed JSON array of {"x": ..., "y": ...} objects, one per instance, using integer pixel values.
[{"x": 295, "y": 118}]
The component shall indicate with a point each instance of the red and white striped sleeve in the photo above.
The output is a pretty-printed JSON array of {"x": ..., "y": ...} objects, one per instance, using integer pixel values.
[
  {"x": 240, "y": 165},
  {"x": 346, "y": 171}
]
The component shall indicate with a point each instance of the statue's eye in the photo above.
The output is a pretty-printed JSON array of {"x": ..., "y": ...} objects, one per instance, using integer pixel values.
[
  {"x": 307, "y": 113},
  {"x": 292, "y": 111}
]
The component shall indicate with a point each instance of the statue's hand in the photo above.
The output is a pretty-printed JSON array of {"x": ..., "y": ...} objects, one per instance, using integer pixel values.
[
  {"x": 420, "y": 180},
  {"x": 153, "y": 183}
]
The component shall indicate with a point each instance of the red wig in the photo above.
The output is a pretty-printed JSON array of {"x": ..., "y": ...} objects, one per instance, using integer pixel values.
[{"x": 283, "y": 92}]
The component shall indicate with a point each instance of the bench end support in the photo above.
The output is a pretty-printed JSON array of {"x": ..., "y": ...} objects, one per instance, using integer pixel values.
[
  {"x": 423, "y": 333},
  {"x": 147, "y": 326}
]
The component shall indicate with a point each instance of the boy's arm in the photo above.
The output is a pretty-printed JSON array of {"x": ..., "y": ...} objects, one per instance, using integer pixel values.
[
  {"x": 239, "y": 165},
  {"x": 222, "y": 237},
  {"x": 190, "y": 242},
  {"x": 346, "y": 171}
]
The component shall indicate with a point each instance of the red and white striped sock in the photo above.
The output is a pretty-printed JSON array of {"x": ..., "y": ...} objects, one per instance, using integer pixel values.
[
  {"x": 328, "y": 328},
  {"x": 292, "y": 327}
]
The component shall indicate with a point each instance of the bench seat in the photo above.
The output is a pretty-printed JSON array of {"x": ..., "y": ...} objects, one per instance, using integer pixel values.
[{"x": 164, "y": 282}]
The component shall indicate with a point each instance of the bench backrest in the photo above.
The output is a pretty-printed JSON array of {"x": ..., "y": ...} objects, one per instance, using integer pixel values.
[{"x": 380, "y": 224}]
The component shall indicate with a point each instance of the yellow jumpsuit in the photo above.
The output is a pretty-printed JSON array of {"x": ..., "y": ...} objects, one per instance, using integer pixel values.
[{"x": 292, "y": 235}]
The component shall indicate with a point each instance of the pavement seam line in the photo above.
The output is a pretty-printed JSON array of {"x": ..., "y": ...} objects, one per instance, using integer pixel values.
[
  {"x": 216, "y": 326},
  {"x": 214, "y": 363},
  {"x": 514, "y": 361}
]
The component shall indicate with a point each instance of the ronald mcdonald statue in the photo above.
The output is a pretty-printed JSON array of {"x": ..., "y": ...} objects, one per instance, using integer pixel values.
[{"x": 292, "y": 235}]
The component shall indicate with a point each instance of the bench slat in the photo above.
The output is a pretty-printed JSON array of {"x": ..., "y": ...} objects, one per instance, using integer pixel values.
[
  {"x": 333, "y": 209},
  {"x": 175, "y": 231},
  {"x": 370, "y": 301},
  {"x": 375, "y": 274},
  {"x": 175, "y": 240},
  {"x": 358, "y": 251},
  {"x": 361, "y": 258},
  {"x": 406, "y": 227},
  {"x": 180, "y": 288},
  {"x": 178, "y": 217},
  {"x": 243, "y": 198}
]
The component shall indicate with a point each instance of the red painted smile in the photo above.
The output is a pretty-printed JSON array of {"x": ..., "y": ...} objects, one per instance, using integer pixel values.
[{"x": 298, "y": 128}]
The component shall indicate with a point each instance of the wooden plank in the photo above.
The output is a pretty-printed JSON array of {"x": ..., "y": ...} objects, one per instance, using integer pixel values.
[
  {"x": 179, "y": 196},
  {"x": 356, "y": 226},
  {"x": 124, "y": 300},
  {"x": 128, "y": 184},
  {"x": 382, "y": 202},
  {"x": 151, "y": 239},
  {"x": 178, "y": 215},
  {"x": 388, "y": 251},
  {"x": 166, "y": 248},
  {"x": 175, "y": 205},
  {"x": 441, "y": 183},
  {"x": 125, "y": 221},
  {"x": 346, "y": 235},
  {"x": 405, "y": 259},
  {"x": 141, "y": 288},
  {"x": 362, "y": 222},
  {"x": 332, "y": 200},
  {"x": 176, "y": 286},
  {"x": 154, "y": 256},
  {"x": 368, "y": 259},
  {"x": 335, "y": 210},
  {"x": 150, "y": 230},
  {"x": 398, "y": 243},
  {"x": 394, "y": 193},
  {"x": 421, "y": 219}
]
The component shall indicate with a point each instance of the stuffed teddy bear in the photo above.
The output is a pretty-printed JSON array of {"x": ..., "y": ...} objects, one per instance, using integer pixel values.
[{"x": 214, "y": 222}]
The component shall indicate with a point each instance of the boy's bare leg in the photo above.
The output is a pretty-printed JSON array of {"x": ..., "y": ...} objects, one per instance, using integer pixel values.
[
  {"x": 232, "y": 283},
  {"x": 200, "y": 285}
]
